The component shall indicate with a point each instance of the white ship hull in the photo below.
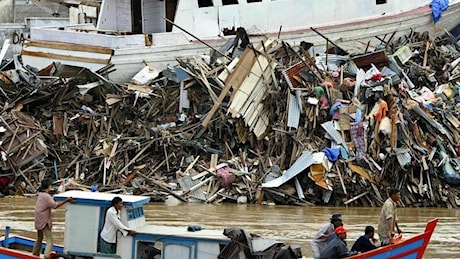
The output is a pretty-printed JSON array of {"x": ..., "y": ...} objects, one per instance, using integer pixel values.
[{"x": 129, "y": 53}]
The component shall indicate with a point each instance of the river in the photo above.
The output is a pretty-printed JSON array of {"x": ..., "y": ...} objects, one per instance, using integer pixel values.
[{"x": 292, "y": 225}]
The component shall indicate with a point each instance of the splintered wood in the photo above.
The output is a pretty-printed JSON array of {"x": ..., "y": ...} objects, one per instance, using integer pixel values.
[{"x": 275, "y": 124}]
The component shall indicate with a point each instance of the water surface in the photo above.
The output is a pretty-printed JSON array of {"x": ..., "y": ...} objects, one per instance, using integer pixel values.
[{"x": 292, "y": 225}]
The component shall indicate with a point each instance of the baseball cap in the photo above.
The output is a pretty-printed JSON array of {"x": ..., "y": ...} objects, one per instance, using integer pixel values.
[{"x": 340, "y": 229}]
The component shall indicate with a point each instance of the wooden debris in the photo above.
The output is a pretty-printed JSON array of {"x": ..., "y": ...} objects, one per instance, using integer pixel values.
[{"x": 226, "y": 126}]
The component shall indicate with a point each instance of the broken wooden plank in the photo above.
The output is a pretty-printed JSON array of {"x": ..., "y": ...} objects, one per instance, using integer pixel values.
[{"x": 356, "y": 197}]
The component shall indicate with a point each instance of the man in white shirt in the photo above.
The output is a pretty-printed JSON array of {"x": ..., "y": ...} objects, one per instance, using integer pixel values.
[{"x": 108, "y": 240}]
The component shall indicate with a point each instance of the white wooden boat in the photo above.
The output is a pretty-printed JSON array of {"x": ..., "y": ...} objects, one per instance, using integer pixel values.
[
  {"x": 119, "y": 35},
  {"x": 84, "y": 219}
]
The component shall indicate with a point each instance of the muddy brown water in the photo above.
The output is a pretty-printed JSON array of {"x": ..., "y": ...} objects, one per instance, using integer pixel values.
[{"x": 289, "y": 224}]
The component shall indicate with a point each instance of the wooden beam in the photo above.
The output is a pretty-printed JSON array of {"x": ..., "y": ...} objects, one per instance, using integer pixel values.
[
  {"x": 69, "y": 47},
  {"x": 64, "y": 57},
  {"x": 356, "y": 197}
]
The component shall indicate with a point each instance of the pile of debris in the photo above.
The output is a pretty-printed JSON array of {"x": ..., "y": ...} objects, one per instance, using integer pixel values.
[{"x": 266, "y": 123}]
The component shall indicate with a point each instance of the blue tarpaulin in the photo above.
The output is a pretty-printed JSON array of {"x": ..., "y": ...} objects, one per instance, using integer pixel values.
[
  {"x": 437, "y": 7},
  {"x": 332, "y": 154}
]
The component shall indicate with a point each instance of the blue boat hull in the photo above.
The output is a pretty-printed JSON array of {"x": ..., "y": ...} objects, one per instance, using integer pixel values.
[
  {"x": 18, "y": 247},
  {"x": 412, "y": 248}
]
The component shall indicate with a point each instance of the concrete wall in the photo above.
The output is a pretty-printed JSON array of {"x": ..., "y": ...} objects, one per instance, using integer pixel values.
[{"x": 6, "y": 11}]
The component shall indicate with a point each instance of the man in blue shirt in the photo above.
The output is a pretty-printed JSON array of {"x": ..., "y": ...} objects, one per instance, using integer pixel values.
[{"x": 365, "y": 242}]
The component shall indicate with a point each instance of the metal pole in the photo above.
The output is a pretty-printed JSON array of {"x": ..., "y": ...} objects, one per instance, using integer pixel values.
[
  {"x": 14, "y": 11},
  {"x": 221, "y": 53},
  {"x": 327, "y": 39}
]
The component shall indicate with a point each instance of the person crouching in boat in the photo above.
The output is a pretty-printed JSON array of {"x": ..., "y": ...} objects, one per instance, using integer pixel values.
[
  {"x": 337, "y": 247},
  {"x": 43, "y": 220},
  {"x": 108, "y": 240},
  {"x": 325, "y": 234},
  {"x": 365, "y": 242},
  {"x": 388, "y": 220}
]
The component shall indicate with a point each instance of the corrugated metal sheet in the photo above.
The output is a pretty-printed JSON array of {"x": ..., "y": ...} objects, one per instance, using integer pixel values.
[
  {"x": 334, "y": 134},
  {"x": 303, "y": 162},
  {"x": 183, "y": 98},
  {"x": 306, "y": 160},
  {"x": 333, "y": 61},
  {"x": 289, "y": 74},
  {"x": 294, "y": 109},
  {"x": 186, "y": 183},
  {"x": 403, "y": 156},
  {"x": 298, "y": 188},
  {"x": 404, "y": 159}
]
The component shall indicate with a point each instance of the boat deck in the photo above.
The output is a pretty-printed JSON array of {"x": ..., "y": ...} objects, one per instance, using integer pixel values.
[{"x": 182, "y": 232}]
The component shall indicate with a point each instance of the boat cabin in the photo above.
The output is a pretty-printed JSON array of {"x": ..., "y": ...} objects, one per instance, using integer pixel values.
[{"x": 85, "y": 218}]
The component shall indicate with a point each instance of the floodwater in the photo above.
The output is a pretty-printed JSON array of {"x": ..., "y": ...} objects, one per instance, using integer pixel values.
[{"x": 293, "y": 225}]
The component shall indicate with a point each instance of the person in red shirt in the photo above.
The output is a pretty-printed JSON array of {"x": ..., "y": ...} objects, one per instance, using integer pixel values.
[{"x": 43, "y": 220}]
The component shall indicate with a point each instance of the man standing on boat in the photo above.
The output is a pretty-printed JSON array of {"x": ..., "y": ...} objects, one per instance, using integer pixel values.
[
  {"x": 388, "y": 220},
  {"x": 43, "y": 220},
  {"x": 108, "y": 241},
  {"x": 327, "y": 230}
]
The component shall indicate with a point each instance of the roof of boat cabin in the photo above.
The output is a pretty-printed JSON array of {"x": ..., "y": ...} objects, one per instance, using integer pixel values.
[
  {"x": 181, "y": 231},
  {"x": 101, "y": 198}
]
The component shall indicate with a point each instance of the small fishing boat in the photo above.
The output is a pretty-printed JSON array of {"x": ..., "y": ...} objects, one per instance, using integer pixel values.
[
  {"x": 85, "y": 218},
  {"x": 13, "y": 246},
  {"x": 412, "y": 248}
]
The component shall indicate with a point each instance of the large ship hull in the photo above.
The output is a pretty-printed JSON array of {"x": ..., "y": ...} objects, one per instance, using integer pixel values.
[{"x": 128, "y": 53}]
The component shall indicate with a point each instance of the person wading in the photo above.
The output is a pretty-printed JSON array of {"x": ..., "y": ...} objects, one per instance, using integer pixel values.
[{"x": 43, "y": 219}]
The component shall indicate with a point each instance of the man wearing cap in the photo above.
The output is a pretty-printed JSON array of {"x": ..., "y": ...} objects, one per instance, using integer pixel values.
[
  {"x": 337, "y": 248},
  {"x": 365, "y": 242},
  {"x": 388, "y": 220},
  {"x": 321, "y": 239}
]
